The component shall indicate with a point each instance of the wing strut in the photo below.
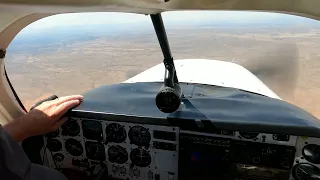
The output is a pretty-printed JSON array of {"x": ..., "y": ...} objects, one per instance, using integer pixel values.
[{"x": 169, "y": 96}]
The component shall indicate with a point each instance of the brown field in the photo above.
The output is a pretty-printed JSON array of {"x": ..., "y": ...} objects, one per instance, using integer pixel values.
[{"x": 81, "y": 66}]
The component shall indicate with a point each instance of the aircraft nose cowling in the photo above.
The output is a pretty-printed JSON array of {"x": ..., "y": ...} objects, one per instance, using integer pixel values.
[{"x": 210, "y": 72}]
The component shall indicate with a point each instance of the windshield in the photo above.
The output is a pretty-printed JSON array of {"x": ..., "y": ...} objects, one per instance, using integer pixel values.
[{"x": 73, "y": 53}]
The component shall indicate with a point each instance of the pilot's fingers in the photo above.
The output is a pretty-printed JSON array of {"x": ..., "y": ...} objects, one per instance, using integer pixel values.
[
  {"x": 59, "y": 123},
  {"x": 61, "y": 109},
  {"x": 64, "y": 99}
]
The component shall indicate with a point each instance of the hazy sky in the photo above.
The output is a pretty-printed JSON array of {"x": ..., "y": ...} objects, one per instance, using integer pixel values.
[{"x": 114, "y": 18}]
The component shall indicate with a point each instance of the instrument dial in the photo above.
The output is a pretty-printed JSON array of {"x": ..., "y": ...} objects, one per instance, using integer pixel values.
[
  {"x": 54, "y": 145},
  {"x": 140, "y": 157},
  {"x": 139, "y": 136},
  {"x": 248, "y": 135},
  {"x": 53, "y": 134},
  {"x": 311, "y": 153},
  {"x": 115, "y": 133},
  {"x": 95, "y": 151},
  {"x": 92, "y": 129},
  {"x": 58, "y": 157},
  {"x": 305, "y": 171},
  {"x": 70, "y": 128},
  {"x": 74, "y": 147},
  {"x": 117, "y": 154}
]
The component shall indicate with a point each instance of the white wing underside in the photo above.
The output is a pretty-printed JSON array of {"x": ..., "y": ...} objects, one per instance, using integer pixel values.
[{"x": 210, "y": 72}]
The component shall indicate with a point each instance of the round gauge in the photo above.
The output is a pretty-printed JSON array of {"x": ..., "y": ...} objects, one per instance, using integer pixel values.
[
  {"x": 248, "y": 135},
  {"x": 311, "y": 153},
  {"x": 140, "y": 157},
  {"x": 305, "y": 171},
  {"x": 115, "y": 133},
  {"x": 95, "y": 151},
  {"x": 58, "y": 157},
  {"x": 54, "y": 145},
  {"x": 74, "y": 147},
  {"x": 117, "y": 154},
  {"x": 92, "y": 129},
  {"x": 70, "y": 128},
  {"x": 53, "y": 134},
  {"x": 139, "y": 135}
]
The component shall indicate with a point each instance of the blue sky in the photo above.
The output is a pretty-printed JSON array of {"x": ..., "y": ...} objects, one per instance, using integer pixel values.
[{"x": 115, "y": 18}]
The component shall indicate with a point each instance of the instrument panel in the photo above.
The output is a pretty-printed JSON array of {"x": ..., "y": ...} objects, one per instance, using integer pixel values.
[
  {"x": 128, "y": 151},
  {"x": 154, "y": 152}
]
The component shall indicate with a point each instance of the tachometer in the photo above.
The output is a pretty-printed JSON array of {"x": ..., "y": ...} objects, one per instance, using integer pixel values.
[
  {"x": 140, "y": 157},
  {"x": 74, "y": 147},
  {"x": 70, "y": 128},
  {"x": 139, "y": 136},
  {"x": 115, "y": 133},
  {"x": 117, "y": 154}
]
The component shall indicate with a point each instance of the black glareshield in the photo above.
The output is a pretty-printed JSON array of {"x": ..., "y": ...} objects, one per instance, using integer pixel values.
[{"x": 169, "y": 96}]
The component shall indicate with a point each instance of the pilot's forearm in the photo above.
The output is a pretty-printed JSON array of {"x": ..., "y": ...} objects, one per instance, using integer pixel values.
[{"x": 16, "y": 130}]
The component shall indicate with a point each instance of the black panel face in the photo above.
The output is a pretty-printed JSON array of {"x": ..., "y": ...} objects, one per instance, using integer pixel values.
[
  {"x": 95, "y": 151},
  {"x": 92, "y": 130}
]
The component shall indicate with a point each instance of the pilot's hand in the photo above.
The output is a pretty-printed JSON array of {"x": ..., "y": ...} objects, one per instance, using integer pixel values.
[{"x": 46, "y": 117}]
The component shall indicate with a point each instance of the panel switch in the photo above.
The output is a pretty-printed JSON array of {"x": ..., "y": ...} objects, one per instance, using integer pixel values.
[
  {"x": 150, "y": 175},
  {"x": 157, "y": 176},
  {"x": 170, "y": 176}
]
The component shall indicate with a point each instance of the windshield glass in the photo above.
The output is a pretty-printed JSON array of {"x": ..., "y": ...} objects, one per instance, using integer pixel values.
[{"x": 73, "y": 53}]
